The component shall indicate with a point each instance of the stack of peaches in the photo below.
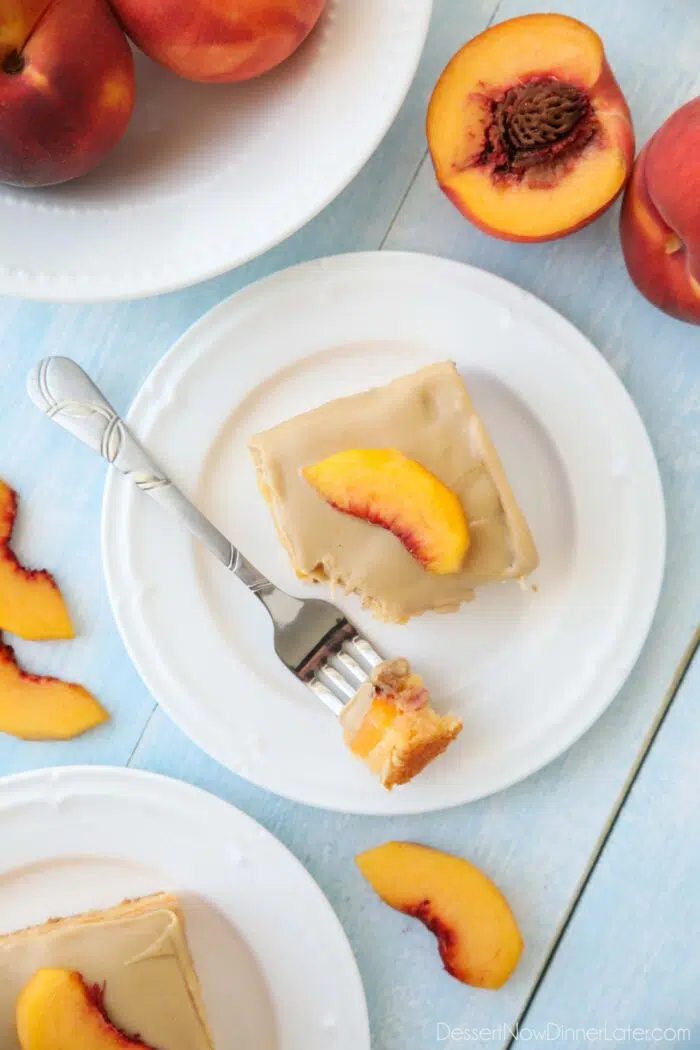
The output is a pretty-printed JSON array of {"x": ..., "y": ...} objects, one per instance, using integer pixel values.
[
  {"x": 530, "y": 134},
  {"x": 67, "y": 71}
]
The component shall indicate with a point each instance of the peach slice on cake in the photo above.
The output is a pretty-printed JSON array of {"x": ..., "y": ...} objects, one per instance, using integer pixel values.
[
  {"x": 57, "y": 1010},
  {"x": 38, "y": 708},
  {"x": 31, "y": 604},
  {"x": 530, "y": 135},
  {"x": 478, "y": 937},
  {"x": 385, "y": 488}
]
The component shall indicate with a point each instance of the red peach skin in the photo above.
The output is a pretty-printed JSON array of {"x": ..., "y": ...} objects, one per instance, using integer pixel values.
[
  {"x": 660, "y": 221},
  {"x": 66, "y": 89},
  {"x": 219, "y": 41}
]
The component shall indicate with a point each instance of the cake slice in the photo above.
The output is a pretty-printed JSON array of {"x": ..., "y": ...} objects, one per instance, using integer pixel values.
[
  {"x": 391, "y": 726},
  {"x": 135, "y": 960},
  {"x": 428, "y": 419}
]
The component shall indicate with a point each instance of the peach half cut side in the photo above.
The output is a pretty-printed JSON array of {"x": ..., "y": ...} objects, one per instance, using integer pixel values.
[
  {"x": 58, "y": 1010},
  {"x": 31, "y": 605},
  {"x": 478, "y": 938},
  {"x": 33, "y": 707},
  {"x": 660, "y": 219},
  {"x": 385, "y": 488},
  {"x": 530, "y": 135}
]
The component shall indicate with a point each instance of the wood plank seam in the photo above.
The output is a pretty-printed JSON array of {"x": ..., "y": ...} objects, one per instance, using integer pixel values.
[
  {"x": 149, "y": 719},
  {"x": 691, "y": 652},
  {"x": 424, "y": 156}
]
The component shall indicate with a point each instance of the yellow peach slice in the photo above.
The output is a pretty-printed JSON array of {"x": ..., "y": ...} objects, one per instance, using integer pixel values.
[
  {"x": 37, "y": 708},
  {"x": 57, "y": 1010},
  {"x": 31, "y": 605},
  {"x": 478, "y": 937},
  {"x": 529, "y": 133},
  {"x": 386, "y": 488},
  {"x": 380, "y": 717}
]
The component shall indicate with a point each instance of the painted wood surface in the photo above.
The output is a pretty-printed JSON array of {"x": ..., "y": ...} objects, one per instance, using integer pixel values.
[
  {"x": 539, "y": 839},
  {"x": 640, "y": 915}
]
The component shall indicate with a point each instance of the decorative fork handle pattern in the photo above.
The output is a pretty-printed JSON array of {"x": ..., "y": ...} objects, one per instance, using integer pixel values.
[{"x": 64, "y": 393}]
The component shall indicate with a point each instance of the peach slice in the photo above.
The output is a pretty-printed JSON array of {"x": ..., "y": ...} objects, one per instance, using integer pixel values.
[
  {"x": 31, "y": 604},
  {"x": 385, "y": 488},
  {"x": 530, "y": 135},
  {"x": 57, "y": 1010},
  {"x": 381, "y": 716},
  {"x": 38, "y": 708},
  {"x": 478, "y": 937},
  {"x": 660, "y": 221}
]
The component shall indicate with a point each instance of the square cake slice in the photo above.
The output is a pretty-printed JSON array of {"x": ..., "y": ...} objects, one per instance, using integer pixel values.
[
  {"x": 136, "y": 955},
  {"x": 429, "y": 417}
]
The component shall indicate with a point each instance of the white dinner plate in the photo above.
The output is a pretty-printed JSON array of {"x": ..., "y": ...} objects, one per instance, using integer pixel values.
[
  {"x": 273, "y": 977},
  {"x": 529, "y": 670},
  {"x": 210, "y": 176}
]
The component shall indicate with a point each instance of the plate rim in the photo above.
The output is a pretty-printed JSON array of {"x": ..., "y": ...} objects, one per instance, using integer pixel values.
[
  {"x": 57, "y": 288},
  {"x": 166, "y": 786},
  {"x": 655, "y": 522}
]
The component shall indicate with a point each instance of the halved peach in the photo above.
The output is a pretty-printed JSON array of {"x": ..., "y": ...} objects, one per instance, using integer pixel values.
[
  {"x": 31, "y": 605},
  {"x": 478, "y": 937},
  {"x": 58, "y": 1010},
  {"x": 530, "y": 135},
  {"x": 386, "y": 488},
  {"x": 39, "y": 708}
]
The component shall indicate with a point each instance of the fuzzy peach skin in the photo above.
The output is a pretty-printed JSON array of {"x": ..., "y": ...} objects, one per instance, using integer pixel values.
[
  {"x": 511, "y": 173},
  {"x": 660, "y": 219},
  {"x": 219, "y": 41},
  {"x": 57, "y": 1010},
  {"x": 66, "y": 88}
]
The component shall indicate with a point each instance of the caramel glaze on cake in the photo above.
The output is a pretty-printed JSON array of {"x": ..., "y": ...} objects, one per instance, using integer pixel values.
[
  {"x": 430, "y": 418},
  {"x": 138, "y": 951}
]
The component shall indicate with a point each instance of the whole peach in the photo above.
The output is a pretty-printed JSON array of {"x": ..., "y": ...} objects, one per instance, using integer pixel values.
[
  {"x": 660, "y": 220},
  {"x": 219, "y": 40},
  {"x": 66, "y": 89}
]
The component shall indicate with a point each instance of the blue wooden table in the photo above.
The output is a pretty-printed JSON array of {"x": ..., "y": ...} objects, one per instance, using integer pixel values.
[{"x": 600, "y": 853}]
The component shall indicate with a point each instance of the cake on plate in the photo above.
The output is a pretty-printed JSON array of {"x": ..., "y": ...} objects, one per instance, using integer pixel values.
[
  {"x": 125, "y": 972},
  {"x": 412, "y": 457}
]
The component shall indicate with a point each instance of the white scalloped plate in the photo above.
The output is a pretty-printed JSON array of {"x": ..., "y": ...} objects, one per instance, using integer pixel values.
[
  {"x": 528, "y": 671},
  {"x": 209, "y": 177},
  {"x": 90, "y": 837}
]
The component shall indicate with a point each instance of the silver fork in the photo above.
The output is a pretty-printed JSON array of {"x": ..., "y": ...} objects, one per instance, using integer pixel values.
[{"x": 311, "y": 637}]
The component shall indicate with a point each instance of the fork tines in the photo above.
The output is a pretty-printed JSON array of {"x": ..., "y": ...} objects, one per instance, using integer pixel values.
[{"x": 339, "y": 665}]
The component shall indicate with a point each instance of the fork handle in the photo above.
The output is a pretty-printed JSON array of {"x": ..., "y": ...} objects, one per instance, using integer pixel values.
[{"x": 65, "y": 394}]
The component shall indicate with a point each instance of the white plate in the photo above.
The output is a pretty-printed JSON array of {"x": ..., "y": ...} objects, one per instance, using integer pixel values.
[
  {"x": 210, "y": 176},
  {"x": 75, "y": 839},
  {"x": 528, "y": 672}
]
